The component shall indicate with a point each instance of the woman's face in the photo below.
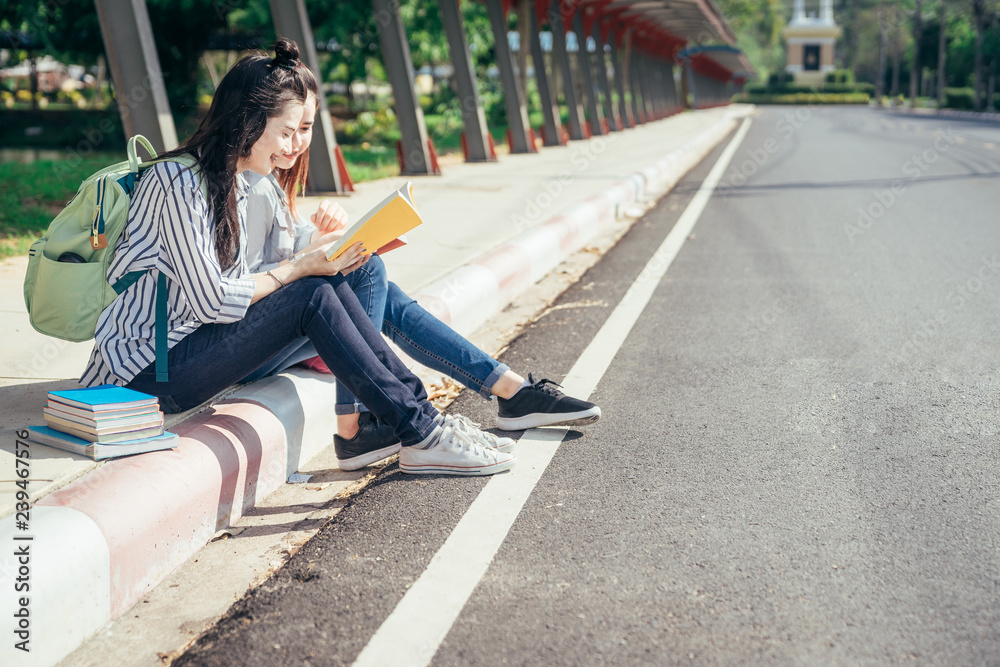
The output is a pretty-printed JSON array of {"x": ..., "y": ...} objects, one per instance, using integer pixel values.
[
  {"x": 303, "y": 136},
  {"x": 276, "y": 141}
]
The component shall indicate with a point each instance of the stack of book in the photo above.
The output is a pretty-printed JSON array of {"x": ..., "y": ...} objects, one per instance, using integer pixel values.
[{"x": 103, "y": 422}]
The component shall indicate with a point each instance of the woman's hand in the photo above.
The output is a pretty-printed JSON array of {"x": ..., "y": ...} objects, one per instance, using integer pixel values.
[
  {"x": 357, "y": 265},
  {"x": 315, "y": 263},
  {"x": 329, "y": 217},
  {"x": 320, "y": 239}
]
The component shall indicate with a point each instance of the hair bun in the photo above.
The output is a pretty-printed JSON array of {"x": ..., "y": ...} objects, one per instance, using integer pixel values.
[{"x": 286, "y": 50}]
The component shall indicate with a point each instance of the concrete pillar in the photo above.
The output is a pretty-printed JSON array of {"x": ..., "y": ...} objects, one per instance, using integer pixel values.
[
  {"x": 473, "y": 119},
  {"x": 135, "y": 68},
  {"x": 550, "y": 103},
  {"x": 645, "y": 83},
  {"x": 562, "y": 59},
  {"x": 655, "y": 88},
  {"x": 517, "y": 112},
  {"x": 638, "y": 109},
  {"x": 675, "y": 99},
  {"x": 610, "y": 110},
  {"x": 291, "y": 21},
  {"x": 587, "y": 76},
  {"x": 670, "y": 97},
  {"x": 624, "y": 113},
  {"x": 692, "y": 88},
  {"x": 661, "y": 87},
  {"x": 399, "y": 68}
]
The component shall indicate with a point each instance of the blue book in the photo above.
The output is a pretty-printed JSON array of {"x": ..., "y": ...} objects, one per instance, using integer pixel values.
[
  {"x": 104, "y": 397},
  {"x": 98, "y": 451}
]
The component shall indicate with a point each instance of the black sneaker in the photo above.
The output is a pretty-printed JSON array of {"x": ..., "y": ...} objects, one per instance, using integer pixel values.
[
  {"x": 542, "y": 404},
  {"x": 373, "y": 442}
]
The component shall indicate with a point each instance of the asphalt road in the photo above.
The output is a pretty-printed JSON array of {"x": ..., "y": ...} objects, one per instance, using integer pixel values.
[{"x": 798, "y": 459}]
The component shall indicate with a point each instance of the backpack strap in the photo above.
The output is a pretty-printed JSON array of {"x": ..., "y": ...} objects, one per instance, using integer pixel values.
[
  {"x": 133, "y": 158},
  {"x": 160, "y": 336},
  {"x": 129, "y": 279},
  {"x": 161, "y": 328}
]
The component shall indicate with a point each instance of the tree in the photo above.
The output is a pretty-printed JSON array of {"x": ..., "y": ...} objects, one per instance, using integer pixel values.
[
  {"x": 915, "y": 68},
  {"x": 758, "y": 25},
  {"x": 942, "y": 52},
  {"x": 978, "y": 19}
]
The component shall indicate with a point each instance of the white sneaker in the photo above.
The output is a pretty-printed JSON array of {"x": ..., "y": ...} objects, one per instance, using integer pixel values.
[
  {"x": 451, "y": 452},
  {"x": 463, "y": 424}
]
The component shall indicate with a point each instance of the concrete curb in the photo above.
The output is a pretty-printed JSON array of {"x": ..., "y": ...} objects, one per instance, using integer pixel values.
[
  {"x": 984, "y": 116},
  {"x": 103, "y": 541}
]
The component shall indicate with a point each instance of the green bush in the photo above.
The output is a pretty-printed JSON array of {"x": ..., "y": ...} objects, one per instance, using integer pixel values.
[
  {"x": 337, "y": 101},
  {"x": 377, "y": 127},
  {"x": 844, "y": 77},
  {"x": 779, "y": 89},
  {"x": 493, "y": 105},
  {"x": 804, "y": 98},
  {"x": 867, "y": 88},
  {"x": 80, "y": 131},
  {"x": 779, "y": 79},
  {"x": 959, "y": 98},
  {"x": 965, "y": 99},
  {"x": 794, "y": 89}
]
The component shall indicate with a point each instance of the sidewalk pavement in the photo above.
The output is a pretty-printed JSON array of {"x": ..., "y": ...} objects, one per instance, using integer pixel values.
[{"x": 104, "y": 534}]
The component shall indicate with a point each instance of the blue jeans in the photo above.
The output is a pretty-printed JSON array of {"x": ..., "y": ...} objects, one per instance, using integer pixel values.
[
  {"x": 422, "y": 336},
  {"x": 326, "y": 312},
  {"x": 369, "y": 285},
  {"x": 434, "y": 344}
]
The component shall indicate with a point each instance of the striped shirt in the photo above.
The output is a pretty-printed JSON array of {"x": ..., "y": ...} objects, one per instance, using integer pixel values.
[
  {"x": 273, "y": 233},
  {"x": 170, "y": 229}
]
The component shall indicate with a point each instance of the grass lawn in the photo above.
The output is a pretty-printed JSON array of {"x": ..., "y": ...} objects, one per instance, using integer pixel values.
[
  {"x": 32, "y": 194},
  {"x": 371, "y": 163}
]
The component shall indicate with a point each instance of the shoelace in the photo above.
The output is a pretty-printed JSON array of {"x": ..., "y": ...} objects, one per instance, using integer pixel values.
[
  {"x": 468, "y": 427},
  {"x": 450, "y": 434},
  {"x": 543, "y": 385}
]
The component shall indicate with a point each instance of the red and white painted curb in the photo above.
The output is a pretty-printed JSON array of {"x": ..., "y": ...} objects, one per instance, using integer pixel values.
[{"x": 106, "y": 539}]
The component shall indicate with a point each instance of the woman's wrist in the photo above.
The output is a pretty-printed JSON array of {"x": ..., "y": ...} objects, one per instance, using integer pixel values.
[
  {"x": 283, "y": 273},
  {"x": 290, "y": 265}
]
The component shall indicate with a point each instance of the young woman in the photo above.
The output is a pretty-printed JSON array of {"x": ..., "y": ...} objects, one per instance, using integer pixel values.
[
  {"x": 226, "y": 322},
  {"x": 277, "y": 236}
]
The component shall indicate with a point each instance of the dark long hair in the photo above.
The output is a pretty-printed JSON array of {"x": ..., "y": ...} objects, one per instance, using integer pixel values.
[
  {"x": 293, "y": 180},
  {"x": 257, "y": 88}
]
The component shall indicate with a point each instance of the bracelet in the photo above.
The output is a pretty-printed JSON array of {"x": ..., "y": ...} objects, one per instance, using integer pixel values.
[{"x": 276, "y": 278}]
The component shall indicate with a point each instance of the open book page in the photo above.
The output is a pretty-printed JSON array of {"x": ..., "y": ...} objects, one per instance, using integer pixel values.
[{"x": 382, "y": 227}]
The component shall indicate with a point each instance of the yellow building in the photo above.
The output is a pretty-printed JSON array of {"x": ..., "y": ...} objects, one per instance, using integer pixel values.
[{"x": 811, "y": 40}]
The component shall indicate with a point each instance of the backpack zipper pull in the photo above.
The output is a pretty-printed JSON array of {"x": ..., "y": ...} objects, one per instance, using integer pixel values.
[{"x": 97, "y": 238}]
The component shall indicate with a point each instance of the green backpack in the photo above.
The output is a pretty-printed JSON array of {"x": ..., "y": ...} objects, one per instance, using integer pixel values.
[{"x": 66, "y": 286}]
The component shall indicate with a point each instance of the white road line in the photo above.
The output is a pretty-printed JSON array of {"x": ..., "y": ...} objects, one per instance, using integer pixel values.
[{"x": 413, "y": 632}]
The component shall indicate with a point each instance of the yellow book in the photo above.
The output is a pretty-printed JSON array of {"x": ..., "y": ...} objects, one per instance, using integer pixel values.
[{"x": 383, "y": 226}]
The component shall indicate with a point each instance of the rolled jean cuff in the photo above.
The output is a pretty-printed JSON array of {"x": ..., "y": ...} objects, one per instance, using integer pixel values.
[
  {"x": 349, "y": 408},
  {"x": 491, "y": 379}
]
